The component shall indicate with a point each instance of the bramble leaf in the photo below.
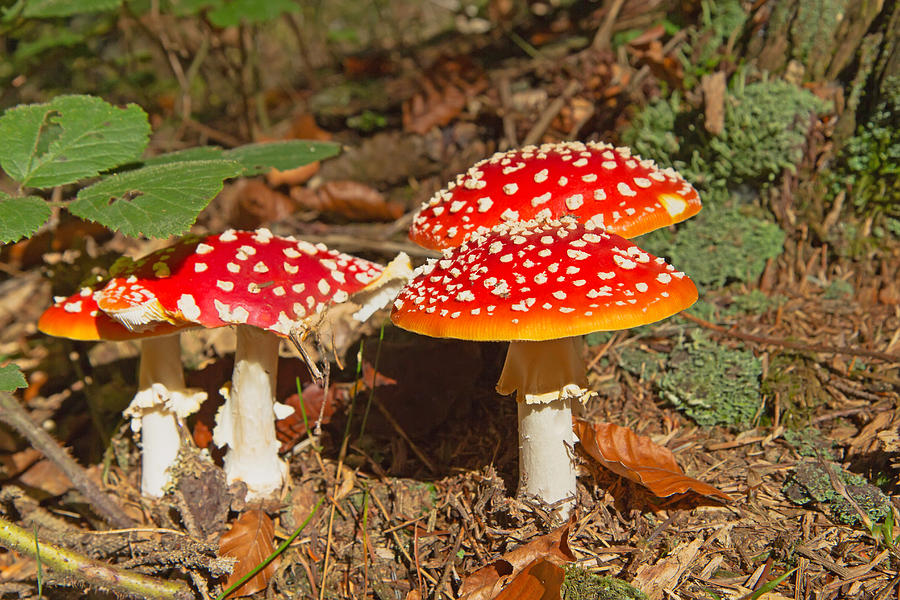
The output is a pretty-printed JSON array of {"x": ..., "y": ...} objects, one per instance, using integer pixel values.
[
  {"x": 21, "y": 217},
  {"x": 11, "y": 378},
  {"x": 259, "y": 158},
  {"x": 69, "y": 138},
  {"x": 66, "y": 8},
  {"x": 155, "y": 201},
  {"x": 235, "y": 12}
]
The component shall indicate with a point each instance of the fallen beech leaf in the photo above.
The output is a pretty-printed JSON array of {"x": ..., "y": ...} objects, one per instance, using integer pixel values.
[
  {"x": 250, "y": 540},
  {"x": 488, "y": 581},
  {"x": 446, "y": 88},
  {"x": 654, "y": 579},
  {"x": 637, "y": 458},
  {"x": 351, "y": 200},
  {"x": 258, "y": 204},
  {"x": 540, "y": 580}
]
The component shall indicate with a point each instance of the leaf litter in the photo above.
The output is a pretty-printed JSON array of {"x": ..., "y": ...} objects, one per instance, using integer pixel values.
[{"x": 404, "y": 529}]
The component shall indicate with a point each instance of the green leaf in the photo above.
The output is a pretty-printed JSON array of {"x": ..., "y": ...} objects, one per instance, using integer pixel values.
[
  {"x": 198, "y": 153},
  {"x": 233, "y": 12},
  {"x": 69, "y": 138},
  {"x": 21, "y": 217},
  {"x": 256, "y": 158},
  {"x": 11, "y": 378},
  {"x": 259, "y": 158},
  {"x": 155, "y": 201},
  {"x": 65, "y": 8}
]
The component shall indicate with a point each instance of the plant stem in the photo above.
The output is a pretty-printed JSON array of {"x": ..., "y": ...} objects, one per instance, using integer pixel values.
[
  {"x": 89, "y": 571},
  {"x": 12, "y": 413}
]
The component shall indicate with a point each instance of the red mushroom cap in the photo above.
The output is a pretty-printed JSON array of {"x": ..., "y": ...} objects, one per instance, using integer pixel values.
[
  {"x": 540, "y": 281},
  {"x": 593, "y": 182},
  {"x": 236, "y": 278},
  {"x": 79, "y": 318}
]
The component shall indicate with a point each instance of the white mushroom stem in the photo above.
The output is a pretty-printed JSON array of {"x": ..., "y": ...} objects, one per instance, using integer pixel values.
[
  {"x": 246, "y": 422},
  {"x": 546, "y": 376},
  {"x": 160, "y": 371}
]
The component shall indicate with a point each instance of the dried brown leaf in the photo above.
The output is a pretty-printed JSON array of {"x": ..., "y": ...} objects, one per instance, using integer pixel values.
[
  {"x": 445, "y": 90},
  {"x": 637, "y": 458},
  {"x": 489, "y": 581},
  {"x": 655, "y": 579},
  {"x": 250, "y": 540},
  {"x": 540, "y": 580},
  {"x": 357, "y": 202},
  {"x": 258, "y": 204}
]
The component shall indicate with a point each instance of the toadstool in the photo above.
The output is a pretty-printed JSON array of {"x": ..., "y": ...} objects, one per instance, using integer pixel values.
[
  {"x": 592, "y": 181},
  {"x": 269, "y": 287},
  {"x": 162, "y": 398},
  {"x": 541, "y": 285}
]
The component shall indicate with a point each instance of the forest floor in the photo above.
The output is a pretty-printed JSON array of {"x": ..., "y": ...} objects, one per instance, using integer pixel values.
[{"x": 418, "y": 473}]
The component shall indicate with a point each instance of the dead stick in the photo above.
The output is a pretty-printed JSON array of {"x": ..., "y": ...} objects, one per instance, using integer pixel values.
[
  {"x": 550, "y": 113},
  {"x": 12, "y": 413},
  {"x": 769, "y": 341},
  {"x": 416, "y": 450},
  {"x": 91, "y": 572},
  {"x": 603, "y": 37}
]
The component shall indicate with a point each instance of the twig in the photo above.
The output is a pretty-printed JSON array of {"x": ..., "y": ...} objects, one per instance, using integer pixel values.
[
  {"x": 12, "y": 413},
  {"x": 416, "y": 450},
  {"x": 543, "y": 122},
  {"x": 603, "y": 37},
  {"x": 92, "y": 572},
  {"x": 769, "y": 341}
]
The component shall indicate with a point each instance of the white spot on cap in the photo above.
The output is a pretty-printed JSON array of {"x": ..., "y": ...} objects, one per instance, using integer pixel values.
[
  {"x": 238, "y": 315},
  {"x": 509, "y": 215},
  {"x": 485, "y": 204},
  {"x": 543, "y": 198},
  {"x": 577, "y": 254},
  {"x": 261, "y": 267},
  {"x": 225, "y": 286},
  {"x": 642, "y": 182},
  {"x": 233, "y": 267},
  {"x": 624, "y": 262},
  {"x": 204, "y": 249},
  {"x": 600, "y": 195},
  {"x": 510, "y": 189},
  {"x": 581, "y": 162},
  {"x": 674, "y": 205},
  {"x": 229, "y": 235},
  {"x": 664, "y": 278},
  {"x": 289, "y": 268},
  {"x": 563, "y": 180},
  {"x": 641, "y": 286},
  {"x": 323, "y": 286},
  {"x": 72, "y": 307},
  {"x": 457, "y": 205},
  {"x": 609, "y": 164},
  {"x": 541, "y": 176},
  {"x": 575, "y": 201},
  {"x": 200, "y": 267},
  {"x": 188, "y": 307},
  {"x": 506, "y": 258},
  {"x": 559, "y": 295},
  {"x": 625, "y": 190}
]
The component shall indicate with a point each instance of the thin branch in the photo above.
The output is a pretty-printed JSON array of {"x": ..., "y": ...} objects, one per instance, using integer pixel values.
[
  {"x": 91, "y": 572},
  {"x": 12, "y": 413},
  {"x": 770, "y": 341}
]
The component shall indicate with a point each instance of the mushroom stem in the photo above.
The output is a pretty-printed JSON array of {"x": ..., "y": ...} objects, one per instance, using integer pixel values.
[
  {"x": 160, "y": 439},
  {"x": 546, "y": 376},
  {"x": 546, "y": 465},
  {"x": 246, "y": 422}
]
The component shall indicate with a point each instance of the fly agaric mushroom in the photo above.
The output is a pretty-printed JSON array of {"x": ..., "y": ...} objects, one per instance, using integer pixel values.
[
  {"x": 592, "y": 181},
  {"x": 162, "y": 398},
  {"x": 541, "y": 285},
  {"x": 268, "y": 287}
]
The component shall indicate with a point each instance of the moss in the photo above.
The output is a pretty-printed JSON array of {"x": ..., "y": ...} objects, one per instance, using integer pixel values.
[
  {"x": 712, "y": 384},
  {"x": 703, "y": 52},
  {"x": 580, "y": 584},
  {"x": 809, "y": 442},
  {"x": 766, "y": 124},
  {"x": 869, "y": 163},
  {"x": 811, "y": 483},
  {"x": 719, "y": 245}
]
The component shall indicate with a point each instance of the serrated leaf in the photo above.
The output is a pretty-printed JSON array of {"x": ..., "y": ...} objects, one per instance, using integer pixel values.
[
  {"x": 233, "y": 12},
  {"x": 65, "y": 8},
  {"x": 155, "y": 201},
  {"x": 11, "y": 378},
  {"x": 69, "y": 138},
  {"x": 198, "y": 153},
  {"x": 259, "y": 158},
  {"x": 21, "y": 217}
]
